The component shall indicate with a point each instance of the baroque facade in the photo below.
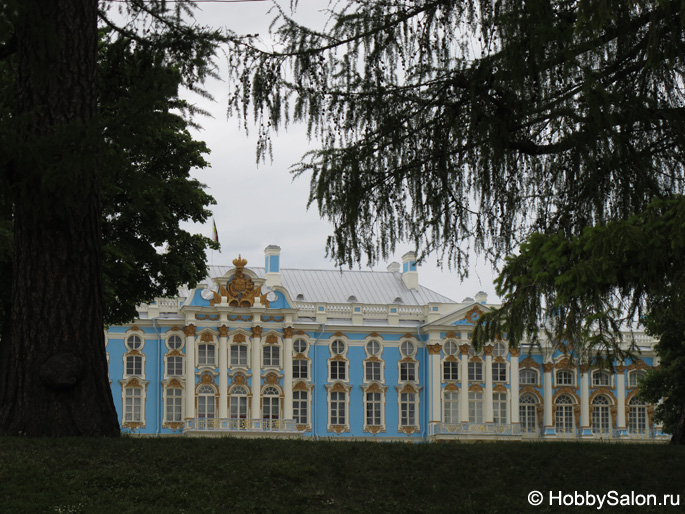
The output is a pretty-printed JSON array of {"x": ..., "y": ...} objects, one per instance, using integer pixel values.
[{"x": 317, "y": 353}]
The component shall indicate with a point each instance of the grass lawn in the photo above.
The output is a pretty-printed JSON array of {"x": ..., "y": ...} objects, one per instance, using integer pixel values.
[{"x": 174, "y": 475}]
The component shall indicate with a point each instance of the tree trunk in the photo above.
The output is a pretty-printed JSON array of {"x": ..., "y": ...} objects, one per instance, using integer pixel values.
[
  {"x": 56, "y": 381},
  {"x": 678, "y": 436}
]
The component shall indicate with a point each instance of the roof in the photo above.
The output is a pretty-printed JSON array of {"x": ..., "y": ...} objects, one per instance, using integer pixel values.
[{"x": 337, "y": 286}]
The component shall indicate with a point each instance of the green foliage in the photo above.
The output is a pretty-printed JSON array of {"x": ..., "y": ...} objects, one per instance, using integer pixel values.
[
  {"x": 451, "y": 124},
  {"x": 147, "y": 191}
]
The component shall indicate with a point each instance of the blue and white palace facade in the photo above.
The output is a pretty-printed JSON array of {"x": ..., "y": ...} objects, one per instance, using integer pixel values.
[{"x": 280, "y": 352}]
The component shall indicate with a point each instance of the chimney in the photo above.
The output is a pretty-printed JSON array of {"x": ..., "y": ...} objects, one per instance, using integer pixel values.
[
  {"x": 272, "y": 265},
  {"x": 409, "y": 274},
  {"x": 482, "y": 297}
]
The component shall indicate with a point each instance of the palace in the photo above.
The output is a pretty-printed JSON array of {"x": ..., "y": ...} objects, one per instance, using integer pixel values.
[{"x": 283, "y": 352}]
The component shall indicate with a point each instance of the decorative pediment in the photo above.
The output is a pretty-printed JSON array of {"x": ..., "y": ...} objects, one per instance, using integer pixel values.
[
  {"x": 240, "y": 290},
  {"x": 529, "y": 362}
]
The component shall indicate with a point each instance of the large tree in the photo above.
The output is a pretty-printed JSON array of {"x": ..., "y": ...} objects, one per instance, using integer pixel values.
[
  {"x": 459, "y": 123},
  {"x": 53, "y": 373},
  {"x": 475, "y": 124}
]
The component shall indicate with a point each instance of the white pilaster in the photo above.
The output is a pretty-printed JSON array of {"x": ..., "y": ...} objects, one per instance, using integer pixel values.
[
  {"x": 514, "y": 384},
  {"x": 464, "y": 390},
  {"x": 547, "y": 416},
  {"x": 436, "y": 391},
  {"x": 189, "y": 331},
  {"x": 223, "y": 372},
  {"x": 288, "y": 373},
  {"x": 489, "y": 416},
  {"x": 621, "y": 399},
  {"x": 584, "y": 401},
  {"x": 256, "y": 411}
]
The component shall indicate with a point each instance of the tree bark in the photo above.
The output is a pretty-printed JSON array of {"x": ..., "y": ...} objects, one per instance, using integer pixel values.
[{"x": 56, "y": 382}]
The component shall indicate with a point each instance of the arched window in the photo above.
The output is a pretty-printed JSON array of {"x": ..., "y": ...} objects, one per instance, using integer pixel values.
[
  {"x": 601, "y": 378},
  {"x": 637, "y": 416},
  {"x": 271, "y": 403},
  {"x": 238, "y": 402},
  {"x": 564, "y": 415},
  {"x": 528, "y": 377},
  {"x": 601, "y": 415},
  {"x": 451, "y": 407},
  {"x": 206, "y": 402},
  {"x": 528, "y": 413},
  {"x": 635, "y": 377}
]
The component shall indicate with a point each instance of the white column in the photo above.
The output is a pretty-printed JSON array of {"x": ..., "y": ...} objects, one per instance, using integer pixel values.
[
  {"x": 621, "y": 399},
  {"x": 189, "y": 331},
  {"x": 256, "y": 372},
  {"x": 464, "y": 390},
  {"x": 489, "y": 416},
  {"x": 584, "y": 401},
  {"x": 288, "y": 373},
  {"x": 223, "y": 372},
  {"x": 514, "y": 383},
  {"x": 436, "y": 391},
  {"x": 547, "y": 415}
]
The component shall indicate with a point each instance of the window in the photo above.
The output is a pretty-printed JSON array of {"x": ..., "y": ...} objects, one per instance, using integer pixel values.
[
  {"x": 635, "y": 377},
  {"x": 528, "y": 413},
  {"x": 637, "y": 416},
  {"x": 475, "y": 407},
  {"x": 450, "y": 370},
  {"x": 407, "y": 371},
  {"x": 174, "y": 404},
  {"x": 300, "y": 346},
  {"x": 300, "y": 369},
  {"x": 565, "y": 378},
  {"x": 134, "y": 365},
  {"x": 372, "y": 371},
  {"x": 338, "y": 405},
  {"x": 134, "y": 343},
  {"x": 373, "y": 409},
  {"x": 601, "y": 378},
  {"x": 205, "y": 354},
  {"x": 271, "y": 403},
  {"x": 239, "y": 355},
  {"x": 500, "y": 350},
  {"x": 528, "y": 377},
  {"x": 499, "y": 406},
  {"x": 499, "y": 371},
  {"x": 476, "y": 371},
  {"x": 601, "y": 416},
  {"x": 300, "y": 407},
  {"x": 271, "y": 355},
  {"x": 206, "y": 402},
  {"x": 338, "y": 347},
  {"x": 174, "y": 342},
  {"x": 451, "y": 407},
  {"x": 408, "y": 409},
  {"x": 174, "y": 366},
  {"x": 338, "y": 370},
  {"x": 238, "y": 402},
  {"x": 373, "y": 347},
  {"x": 407, "y": 348},
  {"x": 133, "y": 402},
  {"x": 564, "y": 415},
  {"x": 450, "y": 348}
]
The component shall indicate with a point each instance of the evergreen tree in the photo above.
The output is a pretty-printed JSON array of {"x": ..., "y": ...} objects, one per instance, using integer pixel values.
[{"x": 480, "y": 124}]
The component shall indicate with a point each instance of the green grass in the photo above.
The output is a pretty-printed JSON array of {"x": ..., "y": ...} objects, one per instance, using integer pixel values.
[{"x": 174, "y": 475}]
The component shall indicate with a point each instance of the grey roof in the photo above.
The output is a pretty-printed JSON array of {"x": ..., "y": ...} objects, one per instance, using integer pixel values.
[{"x": 337, "y": 286}]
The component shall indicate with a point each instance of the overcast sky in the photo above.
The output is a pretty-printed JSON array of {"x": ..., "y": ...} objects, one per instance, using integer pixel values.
[{"x": 261, "y": 205}]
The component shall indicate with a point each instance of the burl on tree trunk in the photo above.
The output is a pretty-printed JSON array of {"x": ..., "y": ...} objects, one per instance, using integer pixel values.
[{"x": 55, "y": 382}]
